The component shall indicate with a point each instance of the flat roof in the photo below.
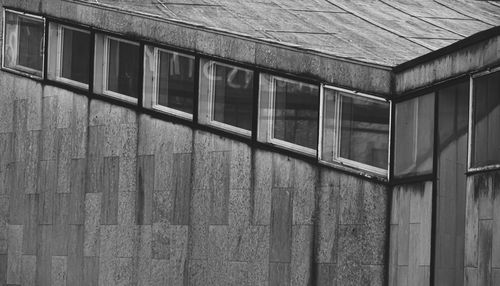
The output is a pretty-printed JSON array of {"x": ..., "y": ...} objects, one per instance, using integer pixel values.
[{"x": 382, "y": 32}]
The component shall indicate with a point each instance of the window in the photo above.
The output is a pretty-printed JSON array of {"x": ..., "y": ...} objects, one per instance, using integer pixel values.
[
  {"x": 414, "y": 136},
  {"x": 485, "y": 130},
  {"x": 226, "y": 97},
  {"x": 169, "y": 82},
  {"x": 69, "y": 54},
  {"x": 23, "y": 42},
  {"x": 355, "y": 130},
  {"x": 288, "y": 113},
  {"x": 117, "y": 65}
]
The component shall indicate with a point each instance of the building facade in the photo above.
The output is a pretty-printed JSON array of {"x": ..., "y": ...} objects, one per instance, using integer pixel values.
[{"x": 264, "y": 143}]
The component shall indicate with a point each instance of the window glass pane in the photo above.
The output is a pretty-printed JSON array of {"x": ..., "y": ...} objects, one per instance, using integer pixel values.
[
  {"x": 296, "y": 113},
  {"x": 176, "y": 81},
  {"x": 23, "y": 43},
  {"x": 233, "y": 96},
  {"x": 75, "y": 55},
  {"x": 486, "y": 121},
  {"x": 123, "y": 68},
  {"x": 414, "y": 136},
  {"x": 364, "y": 131}
]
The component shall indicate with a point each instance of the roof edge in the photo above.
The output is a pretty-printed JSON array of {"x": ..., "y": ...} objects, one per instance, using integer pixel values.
[
  {"x": 285, "y": 45},
  {"x": 466, "y": 42}
]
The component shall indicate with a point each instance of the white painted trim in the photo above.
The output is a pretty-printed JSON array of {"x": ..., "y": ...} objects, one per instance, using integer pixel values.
[
  {"x": 211, "y": 100},
  {"x": 105, "y": 90},
  {"x": 59, "y": 56},
  {"x": 337, "y": 159},
  {"x": 19, "y": 68}
]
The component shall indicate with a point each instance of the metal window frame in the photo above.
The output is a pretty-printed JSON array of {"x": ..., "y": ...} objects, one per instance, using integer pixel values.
[
  {"x": 105, "y": 72},
  {"x": 337, "y": 159},
  {"x": 471, "y": 139},
  {"x": 211, "y": 99},
  {"x": 59, "y": 55},
  {"x": 156, "y": 81},
  {"x": 271, "y": 121},
  {"x": 19, "y": 69}
]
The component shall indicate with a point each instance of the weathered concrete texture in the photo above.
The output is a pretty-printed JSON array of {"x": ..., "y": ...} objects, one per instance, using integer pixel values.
[
  {"x": 467, "y": 59},
  {"x": 410, "y": 235},
  {"x": 482, "y": 229},
  {"x": 147, "y": 202}
]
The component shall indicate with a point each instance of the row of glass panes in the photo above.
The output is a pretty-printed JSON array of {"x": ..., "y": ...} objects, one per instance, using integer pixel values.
[{"x": 354, "y": 128}]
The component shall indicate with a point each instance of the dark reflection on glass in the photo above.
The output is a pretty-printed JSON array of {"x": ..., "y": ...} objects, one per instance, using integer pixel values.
[
  {"x": 23, "y": 43},
  {"x": 233, "y": 96},
  {"x": 30, "y": 43},
  {"x": 176, "y": 81},
  {"x": 75, "y": 55},
  {"x": 296, "y": 113},
  {"x": 414, "y": 136},
  {"x": 486, "y": 133},
  {"x": 364, "y": 131},
  {"x": 123, "y": 68}
]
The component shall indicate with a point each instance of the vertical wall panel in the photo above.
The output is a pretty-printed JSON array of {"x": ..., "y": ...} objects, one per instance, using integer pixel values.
[
  {"x": 410, "y": 235},
  {"x": 182, "y": 188},
  {"x": 281, "y": 225}
]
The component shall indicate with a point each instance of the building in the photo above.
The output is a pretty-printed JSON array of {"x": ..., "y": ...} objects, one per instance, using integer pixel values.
[{"x": 230, "y": 142}]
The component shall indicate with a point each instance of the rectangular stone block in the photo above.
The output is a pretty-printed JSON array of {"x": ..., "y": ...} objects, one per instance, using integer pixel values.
[
  {"x": 182, "y": 188},
  {"x": 109, "y": 212},
  {"x": 59, "y": 270},
  {"x": 14, "y": 258},
  {"x": 219, "y": 187},
  {"x": 92, "y": 223},
  {"x": 279, "y": 274},
  {"x": 145, "y": 184},
  {"x": 28, "y": 270},
  {"x": 281, "y": 226}
]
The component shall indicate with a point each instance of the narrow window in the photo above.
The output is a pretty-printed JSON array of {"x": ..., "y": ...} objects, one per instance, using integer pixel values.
[
  {"x": 485, "y": 141},
  {"x": 355, "y": 130},
  {"x": 69, "y": 54},
  {"x": 414, "y": 136},
  {"x": 226, "y": 96},
  {"x": 117, "y": 64},
  {"x": 288, "y": 114},
  {"x": 169, "y": 81},
  {"x": 23, "y": 43}
]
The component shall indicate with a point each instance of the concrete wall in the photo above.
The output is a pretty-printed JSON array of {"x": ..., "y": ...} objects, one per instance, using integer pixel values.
[
  {"x": 482, "y": 230},
  {"x": 410, "y": 242},
  {"x": 96, "y": 194}
]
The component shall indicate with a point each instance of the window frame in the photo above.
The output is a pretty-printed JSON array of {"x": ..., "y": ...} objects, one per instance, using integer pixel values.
[
  {"x": 156, "y": 82},
  {"x": 211, "y": 98},
  {"x": 470, "y": 137},
  {"x": 271, "y": 121},
  {"x": 19, "y": 69},
  {"x": 59, "y": 54},
  {"x": 337, "y": 160},
  {"x": 105, "y": 60}
]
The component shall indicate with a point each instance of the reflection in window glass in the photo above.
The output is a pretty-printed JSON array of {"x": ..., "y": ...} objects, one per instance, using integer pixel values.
[
  {"x": 123, "y": 67},
  {"x": 75, "y": 55},
  {"x": 486, "y": 121},
  {"x": 232, "y": 96},
  {"x": 364, "y": 131},
  {"x": 414, "y": 136},
  {"x": 24, "y": 41},
  {"x": 176, "y": 81},
  {"x": 355, "y": 130},
  {"x": 295, "y": 113}
]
